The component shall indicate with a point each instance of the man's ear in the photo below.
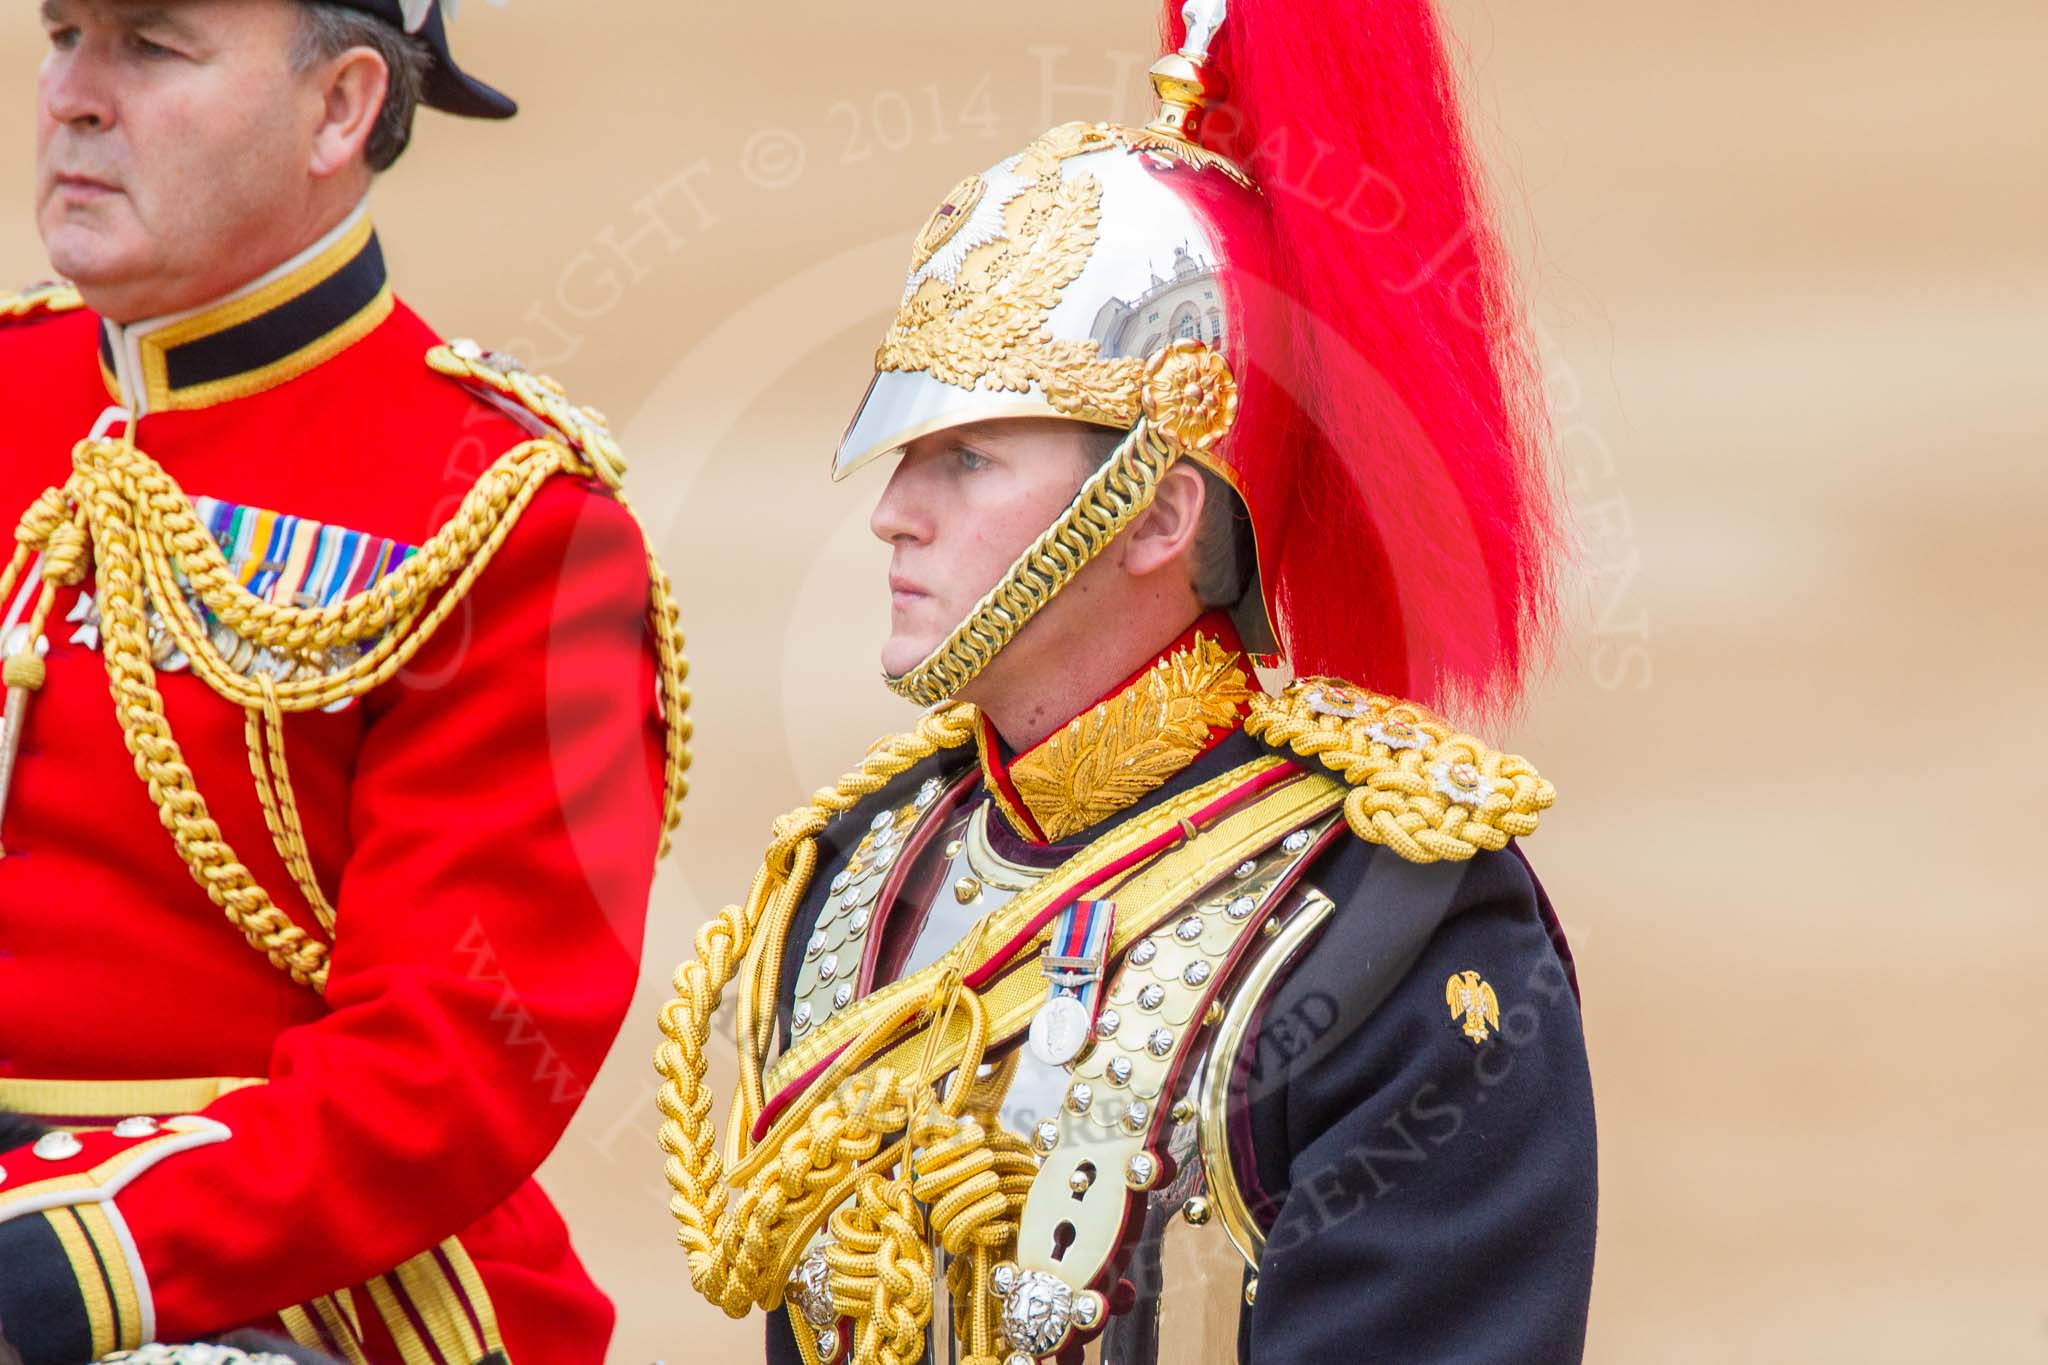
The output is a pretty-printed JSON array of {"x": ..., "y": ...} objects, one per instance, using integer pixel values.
[
  {"x": 1165, "y": 532},
  {"x": 352, "y": 86}
]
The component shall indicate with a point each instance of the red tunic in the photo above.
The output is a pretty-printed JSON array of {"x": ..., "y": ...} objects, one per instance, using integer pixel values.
[{"x": 485, "y": 826}]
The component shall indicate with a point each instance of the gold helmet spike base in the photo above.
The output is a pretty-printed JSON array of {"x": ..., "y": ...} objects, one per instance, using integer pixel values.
[{"x": 1177, "y": 77}]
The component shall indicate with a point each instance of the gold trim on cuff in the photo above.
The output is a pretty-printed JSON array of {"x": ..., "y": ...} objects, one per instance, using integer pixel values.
[
  {"x": 117, "y": 1099},
  {"x": 91, "y": 1280}
]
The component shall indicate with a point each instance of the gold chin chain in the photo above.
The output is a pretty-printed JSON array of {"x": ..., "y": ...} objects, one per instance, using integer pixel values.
[
  {"x": 122, "y": 512},
  {"x": 1111, "y": 499},
  {"x": 1189, "y": 398}
]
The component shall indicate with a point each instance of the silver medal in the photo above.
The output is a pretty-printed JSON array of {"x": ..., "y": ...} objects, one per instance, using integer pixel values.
[{"x": 1059, "y": 1031}]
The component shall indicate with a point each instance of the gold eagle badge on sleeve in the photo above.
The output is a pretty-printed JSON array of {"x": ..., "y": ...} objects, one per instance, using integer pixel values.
[{"x": 1472, "y": 1000}]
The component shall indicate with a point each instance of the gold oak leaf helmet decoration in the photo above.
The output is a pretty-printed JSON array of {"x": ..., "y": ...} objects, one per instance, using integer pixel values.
[{"x": 1073, "y": 280}]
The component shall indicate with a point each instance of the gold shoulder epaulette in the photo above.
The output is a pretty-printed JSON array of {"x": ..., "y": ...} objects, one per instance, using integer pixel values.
[
  {"x": 1419, "y": 786},
  {"x": 497, "y": 373},
  {"x": 53, "y": 296}
]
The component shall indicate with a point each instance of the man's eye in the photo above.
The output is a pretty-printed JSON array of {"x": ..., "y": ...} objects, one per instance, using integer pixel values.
[
  {"x": 970, "y": 460},
  {"x": 64, "y": 39},
  {"x": 149, "y": 49}
]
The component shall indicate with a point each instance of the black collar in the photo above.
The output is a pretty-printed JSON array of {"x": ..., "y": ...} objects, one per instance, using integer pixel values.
[{"x": 276, "y": 328}]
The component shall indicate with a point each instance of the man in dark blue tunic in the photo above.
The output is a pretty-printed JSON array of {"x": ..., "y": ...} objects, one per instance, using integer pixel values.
[{"x": 1133, "y": 1007}]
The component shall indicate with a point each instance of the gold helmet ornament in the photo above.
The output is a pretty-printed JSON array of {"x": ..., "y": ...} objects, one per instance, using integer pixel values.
[
  {"x": 1072, "y": 280},
  {"x": 1339, "y": 346}
]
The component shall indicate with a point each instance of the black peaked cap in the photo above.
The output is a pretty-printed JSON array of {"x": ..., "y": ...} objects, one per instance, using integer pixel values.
[{"x": 449, "y": 88}]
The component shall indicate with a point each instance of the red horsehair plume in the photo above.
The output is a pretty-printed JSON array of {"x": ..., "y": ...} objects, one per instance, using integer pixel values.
[{"x": 1393, "y": 444}]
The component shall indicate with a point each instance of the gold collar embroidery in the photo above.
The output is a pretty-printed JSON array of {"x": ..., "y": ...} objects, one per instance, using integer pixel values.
[{"x": 1127, "y": 746}]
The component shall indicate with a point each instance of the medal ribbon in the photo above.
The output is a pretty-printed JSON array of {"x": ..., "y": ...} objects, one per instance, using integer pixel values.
[{"x": 1077, "y": 955}]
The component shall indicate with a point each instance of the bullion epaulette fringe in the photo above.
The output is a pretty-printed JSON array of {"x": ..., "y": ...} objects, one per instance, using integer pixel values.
[
  {"x": 1419, "y": 786},
  {"x": 497, "y": 373},
  {"x": 38, "y": 300}
]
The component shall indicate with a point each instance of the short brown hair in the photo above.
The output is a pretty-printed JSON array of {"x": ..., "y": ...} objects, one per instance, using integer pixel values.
[{"x": 328, "y": 30}]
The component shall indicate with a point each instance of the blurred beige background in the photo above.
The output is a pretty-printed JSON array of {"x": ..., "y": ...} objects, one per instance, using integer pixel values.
[{"x": 1790, "y": 263}]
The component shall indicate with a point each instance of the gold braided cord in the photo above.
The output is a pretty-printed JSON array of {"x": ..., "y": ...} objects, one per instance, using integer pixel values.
[
  {"x": 16, "y": 562},
  {"x": 136, "y": 523},
  {"x": 394, "y": 609},
  {"x": 1111, "y": 499},
  {"x": 104, "y": 487},
  {"x": 965, "y": 1188},
  {"x": 695, "y": 1168},
  {"x": 818, "y": 1153},
  {"x": 672, "y": 673},
  {"x": 264, "y": 734},
  {"x": 880, "y": 1271},
  {"x": 58, "y": 532},
  {"x": 1399, "y": 794},
  {"x": 586, "y": 431},
  {"x": 172, "y": 541},
  {"x": 974, "y": 1181}
]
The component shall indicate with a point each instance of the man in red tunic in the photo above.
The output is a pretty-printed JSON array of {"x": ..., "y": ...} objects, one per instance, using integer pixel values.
[{"x": 307, "y": 1005}]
